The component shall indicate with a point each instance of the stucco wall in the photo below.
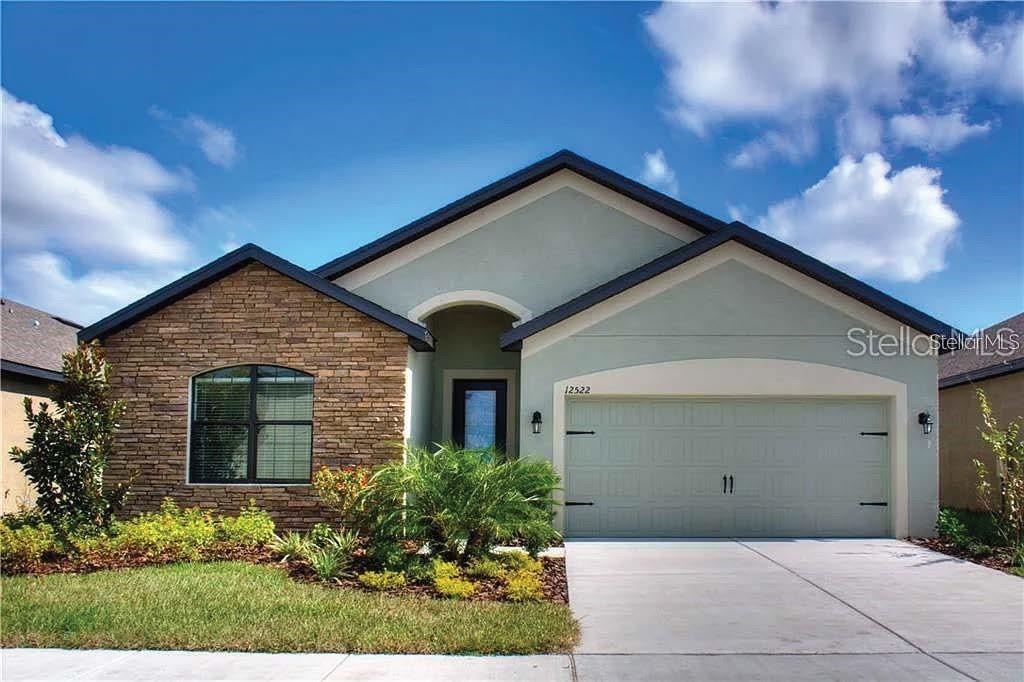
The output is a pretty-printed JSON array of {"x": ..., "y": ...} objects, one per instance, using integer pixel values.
[
  {"x": 16, "y": 488},
  {"x": 254, "y": 315},
  {"x": 960, "y": 440},
  {"x": 540, "y": 256},
  {"x": 734, "y": 311}
]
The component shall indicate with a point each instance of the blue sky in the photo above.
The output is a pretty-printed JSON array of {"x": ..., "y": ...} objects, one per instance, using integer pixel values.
[{"x": 141, "y": 141}]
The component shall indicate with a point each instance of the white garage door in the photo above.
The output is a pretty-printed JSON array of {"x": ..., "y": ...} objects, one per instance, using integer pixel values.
[{"x": 726, "y": 467}]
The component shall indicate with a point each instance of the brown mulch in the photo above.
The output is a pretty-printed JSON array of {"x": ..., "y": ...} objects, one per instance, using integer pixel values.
[
  {"x": 556, "y": 588},
  {"x": 999, "y": 559}
]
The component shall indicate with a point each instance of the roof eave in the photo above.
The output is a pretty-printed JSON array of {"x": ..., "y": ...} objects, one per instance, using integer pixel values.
[{"x": 31, "y": 371}]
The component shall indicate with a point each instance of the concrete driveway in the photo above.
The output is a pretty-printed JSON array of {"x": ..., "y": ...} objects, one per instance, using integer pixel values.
[{"x": 791, "y": 609}]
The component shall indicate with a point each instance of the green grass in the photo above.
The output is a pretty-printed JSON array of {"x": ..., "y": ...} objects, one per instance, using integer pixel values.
[{"x": 233, "y": 606}]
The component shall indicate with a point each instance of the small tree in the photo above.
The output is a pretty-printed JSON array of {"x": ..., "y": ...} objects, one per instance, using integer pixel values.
[
  {"x": 69, "y": 446},
  {"x": 1007, "y": 508}
]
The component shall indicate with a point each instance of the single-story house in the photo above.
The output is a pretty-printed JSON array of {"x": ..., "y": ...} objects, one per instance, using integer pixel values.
[
  {"x": 32, "y": 343},
  {"x": 997, "y": 367},
  {"x": 685, "y": 376}
]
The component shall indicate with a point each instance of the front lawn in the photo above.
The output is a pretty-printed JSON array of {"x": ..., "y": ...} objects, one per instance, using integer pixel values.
[{"x": 244, "y": 607}]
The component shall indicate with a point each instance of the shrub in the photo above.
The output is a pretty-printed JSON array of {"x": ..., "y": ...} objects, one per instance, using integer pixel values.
[
  {"x": 343, "y": 541},
  {"x": 381, "y": 581},
  {"x": 293, "y": 546},
  {"x": 417, "y": 570},
  {"x": 524, "y": 585},
  {"x": 455, "y": 588},
  {"x": 463, "y": 501},
  {"x": 444, "y": 569},
  {"x": 340, "y": 490},
  {"x": 388, "y": 554},
  {"x": 253, "y": 527},
  {"x": 517, "y": 560},
  {"x": 1006, "y": 505},
  {"x": 485, "y": 567},
  {"x": 171, "y": 533},
  {"x": 320, "y": 532},
  {"x": 950, "y": 527},
  {"x": 24, "y": 546},
  {"x": 69, "y": 446},
  {"x": 329, "y": 564}
]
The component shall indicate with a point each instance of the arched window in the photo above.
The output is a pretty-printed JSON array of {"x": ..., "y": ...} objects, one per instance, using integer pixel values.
[{"x": 251, "y": 424}]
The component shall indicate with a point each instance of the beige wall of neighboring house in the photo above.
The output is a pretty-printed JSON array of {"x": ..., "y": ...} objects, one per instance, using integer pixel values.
[
  {"x": 960, "y": 440},
  {"x": 16, "y": 489}
]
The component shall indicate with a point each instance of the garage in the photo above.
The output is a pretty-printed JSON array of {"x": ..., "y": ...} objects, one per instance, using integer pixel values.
[{"x": 711, "y": 467}]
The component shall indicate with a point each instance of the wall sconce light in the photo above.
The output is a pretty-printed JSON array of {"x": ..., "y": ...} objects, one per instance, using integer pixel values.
[
  {"x": 926, "y": 421},
  {"x": 536, "y": 422}
]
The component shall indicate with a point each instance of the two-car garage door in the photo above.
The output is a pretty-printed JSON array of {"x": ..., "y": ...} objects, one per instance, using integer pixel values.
[{"x": 726, "y": 467}]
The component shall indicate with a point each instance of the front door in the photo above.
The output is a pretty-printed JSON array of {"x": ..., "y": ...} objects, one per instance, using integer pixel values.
[{"x": 479, "y": 417}]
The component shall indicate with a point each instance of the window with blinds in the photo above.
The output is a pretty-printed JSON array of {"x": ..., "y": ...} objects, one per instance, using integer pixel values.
[{"x": 251, "y": 424}]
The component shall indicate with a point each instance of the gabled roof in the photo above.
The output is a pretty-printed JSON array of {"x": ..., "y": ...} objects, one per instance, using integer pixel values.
[
  {"x": 751, "y": 238},
  {"x": 419, "y": 337},
  {"x": 562, "y": 160},
  {"x": 33, "y": 338},
  {"x": 972, "y": 364}
]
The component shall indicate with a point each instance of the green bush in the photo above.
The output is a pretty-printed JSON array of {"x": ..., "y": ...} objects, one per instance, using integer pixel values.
[
  {"x": 24, "y": 546},
  {"x": 320, "y": 532},
  {"x": 388, "y": 554},
  {"x": 463, "y": 502},
  {"x": 292, "y": 546},
  {"x": 444, "y": 569},
  {"x": 950, "y": 526},
  {"x": 1003, "y": 496},
  {"x": 253, "y": 527},
  {"x": 455, "y": 588},
  {"x": 418, "y": 570},
  {"x": 341, "y": 541},
  {"x": 524, "y": 585},
  {"x": 382, "y": 580},
  {"x": 517, "y": 560},
  {"x": 485, "y": 567},
  {"x": 329, "y": 564},
  {"x": 172, "y": 533}
]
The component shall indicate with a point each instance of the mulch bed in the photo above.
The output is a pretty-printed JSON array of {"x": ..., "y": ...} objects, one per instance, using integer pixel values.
[
  {"x": 106, "y": 561},
  {"x": 999, "y": 559},
  {"x": 556, "y": 588}
]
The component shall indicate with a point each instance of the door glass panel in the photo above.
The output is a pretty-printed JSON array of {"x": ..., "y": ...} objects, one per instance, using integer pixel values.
[{"x": 481, "y": 418}]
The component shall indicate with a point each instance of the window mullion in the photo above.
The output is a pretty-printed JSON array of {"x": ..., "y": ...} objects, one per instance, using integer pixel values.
[{"x": 253, "y": 376}]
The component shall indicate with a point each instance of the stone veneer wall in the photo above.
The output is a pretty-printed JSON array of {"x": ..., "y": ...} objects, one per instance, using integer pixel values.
[{"x": 254, "y": 315}]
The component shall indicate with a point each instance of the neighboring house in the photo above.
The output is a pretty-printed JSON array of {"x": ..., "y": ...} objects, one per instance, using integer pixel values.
[
  {"x": 685, "y": 376},
  {"x": 998, "y": 369},
  {"x": 31, "y": 345}
]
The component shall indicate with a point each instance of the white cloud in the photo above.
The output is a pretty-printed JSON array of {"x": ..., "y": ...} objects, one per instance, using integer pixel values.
[
  {"x": 99, "y": 207},
  {"x": 796, "y": 145},
  {"x": 795, "y": 62},
  {"x": 657, "y": 173},
  {"x": 869, "y": 221},
  {"x": 218, "y": 143},
  {"x": 932, "y": 132}
]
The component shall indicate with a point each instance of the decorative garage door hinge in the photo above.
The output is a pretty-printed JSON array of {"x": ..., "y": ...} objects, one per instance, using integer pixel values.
[
  {"x": 579, "y": 504},
  {"x": 874, "y": 504},
  {"x": 579, "y": 433},
  {"x": 874, "y": 433}
]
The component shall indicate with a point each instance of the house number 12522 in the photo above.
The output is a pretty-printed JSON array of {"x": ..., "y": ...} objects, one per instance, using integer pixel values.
[{"x": 577, "y": 390}]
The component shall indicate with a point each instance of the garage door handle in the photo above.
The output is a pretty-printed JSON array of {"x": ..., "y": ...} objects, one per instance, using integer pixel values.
[
  {"x": 874, "y": 504},
  {"x": 730, "y": 485},
  {"x": 579, "y": 504},
  {"x": 725, "y": 482}
]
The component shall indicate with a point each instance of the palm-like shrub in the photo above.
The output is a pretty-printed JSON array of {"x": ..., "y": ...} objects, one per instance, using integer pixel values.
[{"x": 464, "y": 501}]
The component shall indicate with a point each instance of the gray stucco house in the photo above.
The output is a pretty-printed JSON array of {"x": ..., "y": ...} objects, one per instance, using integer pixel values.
[{"x": 686, "y": 377}]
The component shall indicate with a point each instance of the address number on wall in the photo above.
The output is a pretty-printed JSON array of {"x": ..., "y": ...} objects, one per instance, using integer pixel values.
[{"x": 577, "y": 390}]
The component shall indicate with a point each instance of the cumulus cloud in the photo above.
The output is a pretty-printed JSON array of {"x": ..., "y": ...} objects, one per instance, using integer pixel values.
[
  {"x": 794, "y": 62},
  {"x": 657, "y": 173},
  {"x": 99, "y": 207},
  {"x": 932, "y": 132},
  {"x": 870, "y": 221},
  {"x": 218, "y": 143},
  {"x": 795, "y": 145}
]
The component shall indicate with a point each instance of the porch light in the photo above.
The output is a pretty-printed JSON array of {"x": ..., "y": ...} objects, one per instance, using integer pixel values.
[
  {"x": 536, "y": 422},
  {"x": 926, "y": 421}
]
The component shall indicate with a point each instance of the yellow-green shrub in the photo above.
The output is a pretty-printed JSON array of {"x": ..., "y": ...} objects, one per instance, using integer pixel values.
[
  {"x": 456, "y": 588},
  {"x": 253, "y": 527},
  {"x": 485, "y": 567},
  {"x": 524, "y": 585},
  {"x": 518, "y": 560},
  {"x": 170, "y": 533},
  {"x": 23, "y": 547},
  {"x": 382, "y": 580},
  {"x": 444, "y": 569}
]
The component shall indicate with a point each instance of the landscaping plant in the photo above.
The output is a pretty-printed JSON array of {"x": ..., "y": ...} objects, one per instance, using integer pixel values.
[
  {"x": 382, "y": 580},
  {"x": 69, "y": 445},
  {"x": 463, "y": 502},
  {"x": 1007, "y": 502},
  {"x": 253, "y": 527}
]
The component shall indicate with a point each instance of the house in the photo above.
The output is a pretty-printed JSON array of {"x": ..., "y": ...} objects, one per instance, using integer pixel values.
[
  {"x": 998, "y": 369},
  {"x": 32, "y": 343},
  {"x": 686, "y": 377}
]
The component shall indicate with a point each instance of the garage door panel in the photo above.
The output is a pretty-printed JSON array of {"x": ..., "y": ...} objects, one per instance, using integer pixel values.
[{"x": 655, "y": 467}]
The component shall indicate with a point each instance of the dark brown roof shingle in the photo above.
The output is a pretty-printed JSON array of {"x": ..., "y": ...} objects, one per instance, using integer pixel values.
[
  {"x": 33, "y": 337},
  {"x": 1001, "y": 337}
]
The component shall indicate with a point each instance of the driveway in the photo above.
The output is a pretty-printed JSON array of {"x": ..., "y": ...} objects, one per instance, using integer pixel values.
[{"x": 791, "y": 609}]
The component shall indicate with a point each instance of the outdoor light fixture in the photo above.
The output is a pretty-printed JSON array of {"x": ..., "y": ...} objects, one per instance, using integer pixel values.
[
  {"x": 925, "y": 420},
  {"x": 536, "y": 422}
]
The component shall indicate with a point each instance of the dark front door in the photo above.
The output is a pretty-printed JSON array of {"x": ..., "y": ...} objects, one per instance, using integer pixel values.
[{"x": 479, "y": 417}]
